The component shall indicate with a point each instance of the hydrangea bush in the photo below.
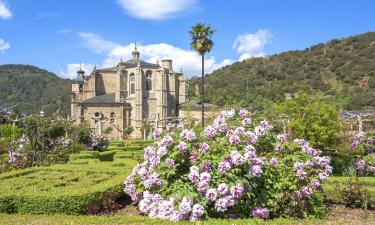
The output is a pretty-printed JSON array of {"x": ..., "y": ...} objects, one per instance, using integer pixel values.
[
  {"x": 364, "y": 147},
  {"x": 233, "y": 169}
]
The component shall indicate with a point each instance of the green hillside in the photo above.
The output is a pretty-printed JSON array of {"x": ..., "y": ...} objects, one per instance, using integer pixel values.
[
  {"x": 40, "y": 88},
  {"x": 341, "y": 70}
]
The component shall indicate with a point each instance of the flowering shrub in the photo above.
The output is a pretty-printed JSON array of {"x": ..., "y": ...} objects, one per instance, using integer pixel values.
[
  {"x": 234, "y": 169},
  {"x": 364, "y": 146},
  {"x": 97, "y": 143}
]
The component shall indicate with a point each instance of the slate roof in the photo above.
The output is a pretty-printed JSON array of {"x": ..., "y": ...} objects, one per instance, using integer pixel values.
[
  {"x": 354, "y": 113},
  {"x": 132, "y": 63},
  {"x": 102, "y": 99}
]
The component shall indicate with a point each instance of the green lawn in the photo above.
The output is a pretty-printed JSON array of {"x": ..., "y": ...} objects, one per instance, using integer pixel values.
[{"x": 68, "y": 219}]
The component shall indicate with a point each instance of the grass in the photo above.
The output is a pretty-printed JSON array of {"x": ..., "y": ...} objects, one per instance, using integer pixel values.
[{"x": 114, "y": 220}]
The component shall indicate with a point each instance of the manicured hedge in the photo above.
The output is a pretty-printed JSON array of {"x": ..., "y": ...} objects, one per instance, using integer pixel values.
[
  {"x": 67, "y": 189},
  {"x": 107, "y": 155},
  {"x": 73, "y": 157}
]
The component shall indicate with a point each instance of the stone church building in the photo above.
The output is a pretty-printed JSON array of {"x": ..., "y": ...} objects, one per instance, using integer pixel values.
[{"x": 134, "y": 94}]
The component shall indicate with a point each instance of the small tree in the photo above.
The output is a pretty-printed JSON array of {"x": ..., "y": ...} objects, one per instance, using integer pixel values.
[{"x": 311, "y": 119}]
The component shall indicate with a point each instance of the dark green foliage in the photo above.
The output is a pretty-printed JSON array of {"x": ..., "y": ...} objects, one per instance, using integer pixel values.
[
  {"x": 341, "y": 70},
  {"x": 40, "y": 88}
]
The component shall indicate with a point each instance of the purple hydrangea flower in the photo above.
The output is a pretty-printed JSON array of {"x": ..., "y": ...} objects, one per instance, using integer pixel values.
[
  {"x": 323, "y": 176},
  {"x": 301, "y": 174},
  {"x": 211, "y": 194},
  {"x": 198, "y": 211},
  {"x": 307, "y": 191},
  {"x": 224, "y": 167},
  {"x": 243, "y": 112},
  {"x": 314, "y": 184},
  {"x": 361, "y": 164},
  {"x": 222, "y": 189},
  {"x": 298, "y": 166},
  {"x": 281, "y": 138},
  {"x": 234, "y": 140},
  {"x": 278, "y": 147},
  {"x": 240, "y": 131},
  {"x": 274, "y": 161},
  {"x": 260, "y": 213},
  {"x": 250, "y": 148},
  {"x": 221, "y": 205},
  {"x": 188, "y": 135},
  {"x": 202, "y": 187},
  {"x": 237, "y": 191},
  {"x": 157, "y": 133},
  {"x": 207, "y": 167},
  {"x": 204, "y": 147},
  {"x": 182, "y": 146},
  {"x": 193, "y": 156},
  {"x": 237, "y": 158},
  {"x": 170, "y": 163},
  {"x": 256, "y": 171},
  {"x": 246, "y": 122},
  {"x": 205, "y": 177}
]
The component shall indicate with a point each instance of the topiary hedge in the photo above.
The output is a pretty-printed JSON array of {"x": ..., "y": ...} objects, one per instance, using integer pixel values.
[{"x": 68, "y": 189}]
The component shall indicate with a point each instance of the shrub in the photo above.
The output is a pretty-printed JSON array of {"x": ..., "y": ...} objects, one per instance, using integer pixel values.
[
  {"x": 364, "y": 147},
  {"x": 67, "y": 188},
  {"x": 106, "y": 156},
  {"x": 236, "y": 169}
]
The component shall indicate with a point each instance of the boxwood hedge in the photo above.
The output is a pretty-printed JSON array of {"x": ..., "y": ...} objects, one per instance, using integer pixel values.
[{"x": 67, "y": 189}]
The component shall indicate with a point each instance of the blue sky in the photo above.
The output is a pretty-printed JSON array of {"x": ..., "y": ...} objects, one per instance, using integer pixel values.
[{"x": 59, "y": 34}]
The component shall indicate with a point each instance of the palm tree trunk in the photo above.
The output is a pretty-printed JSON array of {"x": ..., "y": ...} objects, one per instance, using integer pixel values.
[{"x": 202, "y": 95}]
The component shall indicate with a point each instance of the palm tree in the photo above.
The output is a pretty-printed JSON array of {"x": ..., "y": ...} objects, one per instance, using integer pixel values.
[{"x": 201, "y": 42}]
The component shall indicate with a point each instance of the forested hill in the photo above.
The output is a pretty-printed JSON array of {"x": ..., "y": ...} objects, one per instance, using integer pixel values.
[
  {"x": 40, "y": 88},
  {"x": 341, "y": 70}
]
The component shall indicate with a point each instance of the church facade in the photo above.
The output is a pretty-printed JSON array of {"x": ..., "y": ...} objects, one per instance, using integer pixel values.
[{"x": 135, "y": 96}]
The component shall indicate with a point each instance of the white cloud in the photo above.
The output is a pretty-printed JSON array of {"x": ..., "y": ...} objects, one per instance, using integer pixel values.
[
  {"x": 156, "y": 9},
  {"x": 247, "y": 45},
  {"x": 3, "y": 46},
  {"x": 252, "y": 45},
  {"x": 187, "y": 60},
  {"x": 72, "y": 68},
  {"x": 4, "y": 11},
  {"x": 96, "y": 43}
]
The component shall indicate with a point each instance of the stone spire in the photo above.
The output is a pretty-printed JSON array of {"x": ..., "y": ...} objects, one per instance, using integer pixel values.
[{"x": 135, "y": 52}]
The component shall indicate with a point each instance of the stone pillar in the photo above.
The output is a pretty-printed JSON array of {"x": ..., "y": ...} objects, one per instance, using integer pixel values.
[
  {"x": 138, "y": 117},
  {"x": 162, "y": 98}
]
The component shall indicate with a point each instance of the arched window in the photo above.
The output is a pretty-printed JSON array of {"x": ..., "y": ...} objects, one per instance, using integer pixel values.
[
  {"x": 132, "y": 83},
  {"x": 149, "y": 80}
]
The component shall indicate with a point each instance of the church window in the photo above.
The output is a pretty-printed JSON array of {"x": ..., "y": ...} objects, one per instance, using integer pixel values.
[
  {"x": 132, "y": 83},
  {"x": 149, "y": 80}
]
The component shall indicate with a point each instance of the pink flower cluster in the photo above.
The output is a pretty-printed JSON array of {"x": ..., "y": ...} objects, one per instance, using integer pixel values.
[{"x": 155, "y": 206}]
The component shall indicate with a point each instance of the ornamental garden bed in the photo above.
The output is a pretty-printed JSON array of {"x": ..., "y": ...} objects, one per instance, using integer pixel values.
[{"x": 69, "y": 189}]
